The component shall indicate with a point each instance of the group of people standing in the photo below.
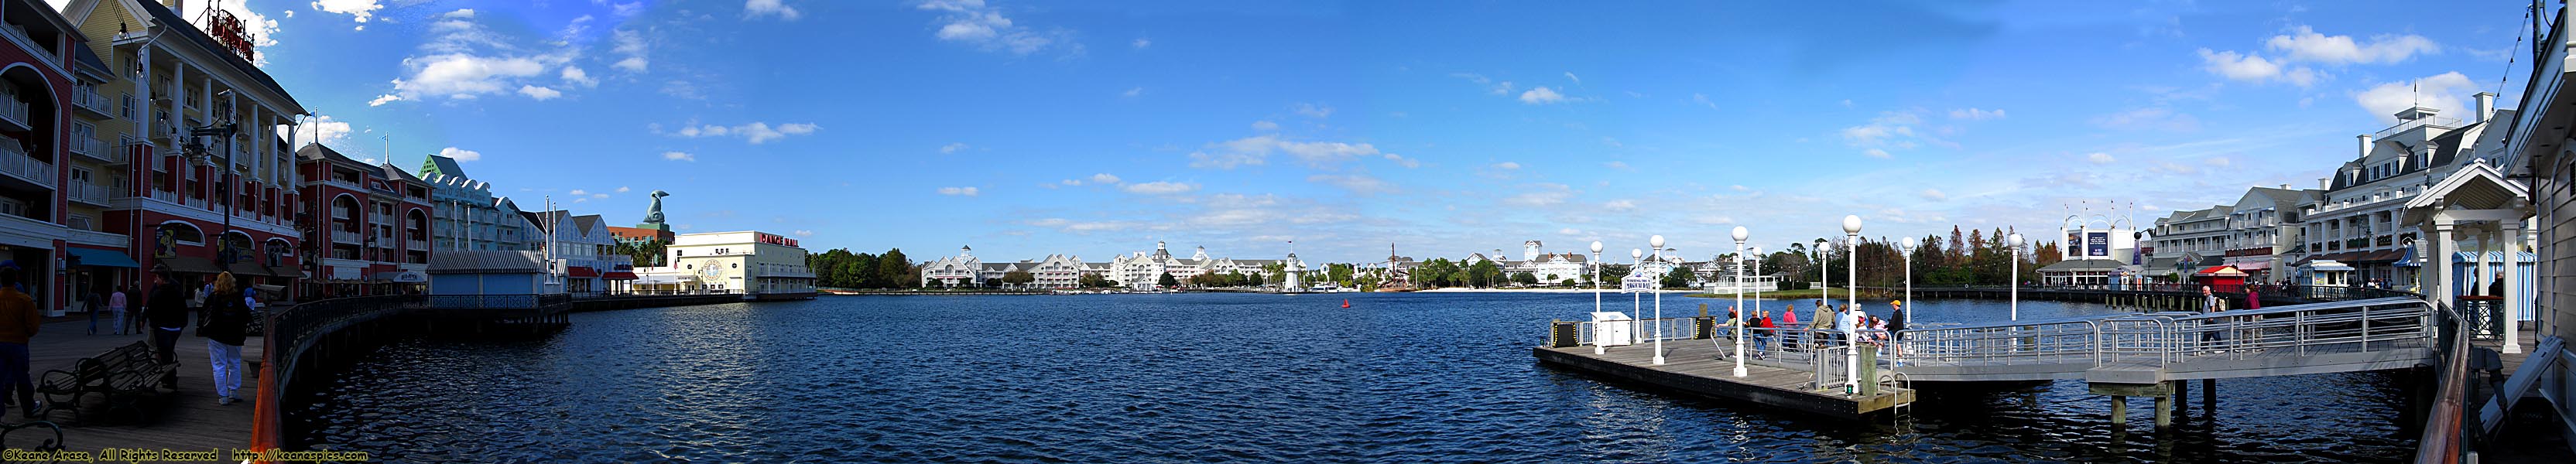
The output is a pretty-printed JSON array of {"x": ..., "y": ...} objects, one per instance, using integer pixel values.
[
  {"x": 1829, "y": 324},
  {"x": 222, "y": 304}
]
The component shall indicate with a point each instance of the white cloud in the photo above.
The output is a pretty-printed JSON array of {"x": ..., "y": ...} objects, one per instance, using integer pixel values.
[
  {"x": 577, "y": 76},
  {"x": 1702, "y": 100},
  {"x": 2440, "y": 92},
  {"x": 622, "y": 189},
  {"x": 804, "y": 233},
  {"x": 759, "y": 8},
  {"x": 1877, "y": 153},
  {"x": 325, "y": 130},
  {"x": 2218, "y": 161},
  {"x": 1739, "y": 188},
  {"x": 461, "y": 155},
  {"x": 952, "y": 147},
  {"x": 1256, "y": 150},
  {"x": 1620, "y": 205},
  {"x": 755, "y": 132},
  {"x": 1400, "y": 160},
  {"x": 462, "y": 76},
  {"x": 359, "y": 10},
  {"x": 539, "y": 93},
  {"x": 678, "y": 156},
  {"x": 2169, "y": 167},
  {"x": 579, "y": 192},
  {"x": 1265, "y": 126},
  {"x": 1362, "y": 184},
  {"x": 1569, "y": 75},
  {"x": 972, "y": 22},
  {"x": 1934, "y": 195},
  {"x": 1313, "y": 110},
  {"x": 1141, "y": 43},
  {"x": 1104, "y": 178},
  {"x": 1541, "y": 195},
  {"x": 1541, "y": 96},
  {"x": 1507, "y": 165},
  {"x": 1132, "y": 92},
  {"x": 1160, "y": 188},
  {"x": 2100, "y": 158},
  {"x": 262, "y": 30},
  {"x": 958, "y": 191},
  {"x": 1616, "y": 165},
  {"x": 2305, "y": 44},
  {"x": 1570, "y": 231},
  {"x": 1974, "y": 114},
  {"x": 2251, "y": 68},
  {"x": 599, "y": 196},
  {"x": 630, "y": 44},
  {"x": 381, "y": 100}
]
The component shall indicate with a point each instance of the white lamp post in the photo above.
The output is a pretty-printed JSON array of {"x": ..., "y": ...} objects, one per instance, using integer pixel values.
[
  {"x": 1905, "y": 316},
  {"x": 1658, "y": 242},
  {"x": 1757, "y": 274},
  {"x": 1741, "y": 331},
  {"x": 1636, "y": 260},
  {"x": 2016, "y": 276},
  {"x": 1851, "y": 338},
  {"x": 1824, "y": 274},
  {"x": 1596, "y": 288}
]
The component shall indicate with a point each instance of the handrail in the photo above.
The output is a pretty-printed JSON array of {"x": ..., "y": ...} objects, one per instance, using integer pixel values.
[
  {"x": 2440, "y": 442},
  {"x": 285, "y": 335}
]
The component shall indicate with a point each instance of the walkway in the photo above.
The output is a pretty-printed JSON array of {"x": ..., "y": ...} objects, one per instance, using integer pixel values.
[{"x": 188, "y": 420}]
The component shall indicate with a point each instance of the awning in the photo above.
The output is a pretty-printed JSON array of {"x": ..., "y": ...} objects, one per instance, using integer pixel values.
[
  {"x": 618, "y": 275},
  {"x": 188, "y": 265},
  {"x": 286, "y": 271},
  {"x": 2382, "y": 256},
  {"x": 581, "y": 272},
  {"x": 2250, "y": 266},
  {"x": 2220, "y": 271},
  {"x": 666, "y": 279},
  {"x": 404, "y": 277},
  {"x": 102, "y": 258},
  {"x": 248, "y": 270},
  {"x": 2327, "y": 265}
]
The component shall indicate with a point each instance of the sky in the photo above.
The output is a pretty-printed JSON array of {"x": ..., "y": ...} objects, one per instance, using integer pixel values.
[{"x": 1026, "y": 128}]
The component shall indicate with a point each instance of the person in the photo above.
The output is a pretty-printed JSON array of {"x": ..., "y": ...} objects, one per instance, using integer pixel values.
[
  {"x": 1856, "y": 321},
  {"x": 227, "y": 321},
  {"x": 2253, "y": 298},
  {"x": 1895, "y": 324},
  {"x": 2208, "y": 301},
  {"x": 167, "y": 312},
  {"x": 1790, "y": 316},
  {"x": 1761, "y": 336},
  {"x": 1824, "y": 317},
  {"x": 116, "y": 309},
  {"x": 18, "y": 323},
  {"x": 90, "y": 305}
]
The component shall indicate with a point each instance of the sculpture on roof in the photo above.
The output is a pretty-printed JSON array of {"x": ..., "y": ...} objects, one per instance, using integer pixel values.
[{"x": 653, "y": 215}]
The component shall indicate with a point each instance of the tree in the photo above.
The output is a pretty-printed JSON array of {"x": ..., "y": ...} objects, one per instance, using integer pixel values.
[
  {"x": 1095, "y": 281},
  {"x": 1680, "y": 277},
  {"x": 1167, "y": 281},
  {"x": 1484, "y": 274},
  {"x": 1525, "y": 278},
  {"x": 1018, "y": 277},
  {"x": 893, "y": 270}
]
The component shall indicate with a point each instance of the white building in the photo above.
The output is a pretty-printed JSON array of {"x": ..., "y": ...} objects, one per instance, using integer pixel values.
[
  {"x": 468, "y": 216},
  {"x": 2356, "y": 220},
  {"x": 584, "y": 253},
  {"x": 759, "y": 265}
]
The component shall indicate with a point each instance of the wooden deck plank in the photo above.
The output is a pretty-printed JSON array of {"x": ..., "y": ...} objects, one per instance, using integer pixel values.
[{"x": 1696, "y": 366}]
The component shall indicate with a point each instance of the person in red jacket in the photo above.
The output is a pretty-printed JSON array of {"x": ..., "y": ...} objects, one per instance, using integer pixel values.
[{"x": 18, "y": 323}]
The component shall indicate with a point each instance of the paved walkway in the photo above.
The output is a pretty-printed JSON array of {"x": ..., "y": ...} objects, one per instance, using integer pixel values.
[{"x": 185, "y": 420}]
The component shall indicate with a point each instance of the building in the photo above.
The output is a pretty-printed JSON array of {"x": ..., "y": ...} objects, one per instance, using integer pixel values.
[
  {"x": 229, "y": 206},
  {"x": 2354, "y": 222},
  {"x": 758, "y": 265},
  {"x": 2541, "y": 152},
  {"x": 2265, "y": 234},
  {"x": 963, "y": 270},
  {"x": 582, "y": 252},
  {"x": 370, "y": 225},
  {"x": 468, "y": 215},
  {"x": 2187, "y": 241},
  {"x": 651, "y": 230}
]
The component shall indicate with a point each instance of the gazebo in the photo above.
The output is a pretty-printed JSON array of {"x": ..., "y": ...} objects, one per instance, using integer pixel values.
[{"x": 2478, "y": 206}]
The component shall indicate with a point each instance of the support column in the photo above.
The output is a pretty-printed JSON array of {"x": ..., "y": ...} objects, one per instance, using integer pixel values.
[
  {"x": 2510, "y": 235},
  {"x": 2119, "y": 412},
  {"x": 2440, "y": 290},
  {"x": 2164, "y": 411}
]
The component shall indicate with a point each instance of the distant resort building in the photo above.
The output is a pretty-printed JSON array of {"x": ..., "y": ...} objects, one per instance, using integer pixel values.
[
  {"x": 758, "y": 265},
  {"x": 468, "y": 216},
  {"x": 1136, "y": 271}
]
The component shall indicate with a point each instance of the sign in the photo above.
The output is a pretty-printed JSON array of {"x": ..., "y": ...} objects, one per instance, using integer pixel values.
[
  {"x": 2097, "y": 244},
  {"x": 1637, "y": 283},
  {"x": 765, "y": 237}
]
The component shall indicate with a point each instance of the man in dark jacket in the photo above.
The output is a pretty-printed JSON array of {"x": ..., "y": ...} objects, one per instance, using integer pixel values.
[{"x": 167, "y": 312}]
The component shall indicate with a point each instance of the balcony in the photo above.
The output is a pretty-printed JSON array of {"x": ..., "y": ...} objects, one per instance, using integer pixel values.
[
  {"x": 93, "y": 194},
  {"x": 2404, "y": 126},
  {"x": 89, "y": 237},
  {"x": 90, "y": 103},
  {"x": 13, "y": 113},
  {"x": 342, "y": 236},
  {"x": 15, "y": 162},
  {"x": 91, "y": 148}
]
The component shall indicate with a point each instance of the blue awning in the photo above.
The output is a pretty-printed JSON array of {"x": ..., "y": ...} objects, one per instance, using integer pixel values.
[{"x": 102, "y": 258}]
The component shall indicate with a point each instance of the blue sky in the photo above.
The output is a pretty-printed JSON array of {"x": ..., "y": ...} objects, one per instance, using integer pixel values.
[{"x": 1094, "y": 128}]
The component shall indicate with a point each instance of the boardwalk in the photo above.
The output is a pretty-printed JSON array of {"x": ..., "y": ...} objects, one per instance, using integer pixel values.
[
  {"x": 188, "y": 420},
  {"x": 1693, "y": 366}
]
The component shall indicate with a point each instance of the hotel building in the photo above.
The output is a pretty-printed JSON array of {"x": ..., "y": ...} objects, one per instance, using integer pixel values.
[
  {"x": 582, "y": 252},
  {"x": 469, "y": 216},
  {"x": 759, "y": 265},
  {"x": 371, "y": 225},
  {"x": 2356, "y": 221}
]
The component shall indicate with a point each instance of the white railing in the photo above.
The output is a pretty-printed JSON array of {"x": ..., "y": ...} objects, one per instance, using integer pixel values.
[
  {"x": 15, "y": 161},
  {"x": 342, "y": 236},
  {"x": 88, "y": 146},
  {"x": 87, "y": 192},
  {"x": 2417, "y": 122},
  {"x": 168, "y": 196},
  {"x": 87, "y": 97},
  {"x": 13, "y": 110},
  {"x": 98, "y": 238}
]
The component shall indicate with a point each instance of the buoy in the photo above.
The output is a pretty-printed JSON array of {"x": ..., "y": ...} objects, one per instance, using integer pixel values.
[{"x": 1346, "y": 302}]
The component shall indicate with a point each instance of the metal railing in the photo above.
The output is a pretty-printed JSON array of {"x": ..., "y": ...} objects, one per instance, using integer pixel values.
[
  {"x": 14, "y": 160},
  {"x": 287, "y": 333},
  {"x": 2296, "y": 292},
  {"x": 522, "y": 301}
]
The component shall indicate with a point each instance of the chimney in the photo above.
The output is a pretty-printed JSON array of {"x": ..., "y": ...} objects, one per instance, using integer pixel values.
[
  {"x": 2365, "y": 147},
  {"x": 2285, "y": 186},
  {"x": 2486, "y": 107},
  {"x": 2323, "y": 183}
]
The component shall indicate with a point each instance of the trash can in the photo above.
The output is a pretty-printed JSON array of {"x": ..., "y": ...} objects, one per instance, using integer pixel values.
[{"x": 1613, "y": 329}]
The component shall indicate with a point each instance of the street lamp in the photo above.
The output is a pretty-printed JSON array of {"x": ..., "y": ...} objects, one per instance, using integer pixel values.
[
  {"x": 1636, "y": 260},
  {"x": 1851, "y": 339},
  {"x": 1596, "y": 288},
  {"x": 1658, "y": 242},
  {"x": 1740, "y": 330},
  {"x": 1824, "y": 274},
  {"x": 2016, "y": 276},
  {"x": 196, "y": 151},
  {"x": 1903, "y": 316}
]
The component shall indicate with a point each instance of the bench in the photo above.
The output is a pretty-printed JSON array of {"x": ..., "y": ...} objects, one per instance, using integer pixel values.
[{"x": 122, "y": 377}]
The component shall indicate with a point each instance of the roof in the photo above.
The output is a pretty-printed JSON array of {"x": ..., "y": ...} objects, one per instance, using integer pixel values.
[
  {"x": 441, "y": 165},
  {"x": 320, "y": 152},
  {"x": 587, "y": 222},
  {"x": 171, "y": 20},
  {"x": 86, "y": 60},
  {"x": 2082, "y": 265},
  {"x": 486, "y": 262},
  {"x": 2221, "y": 271}
]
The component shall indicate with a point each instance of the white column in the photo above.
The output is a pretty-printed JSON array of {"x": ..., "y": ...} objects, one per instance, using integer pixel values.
[
  {"x": 2510, "y": 237},
  {"x": 2440, "y": 287}
]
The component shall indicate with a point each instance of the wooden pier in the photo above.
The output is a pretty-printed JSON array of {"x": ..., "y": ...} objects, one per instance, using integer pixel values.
[
  {"x": 1694, "y": 366},
  {"x": 185, "y": 420}
]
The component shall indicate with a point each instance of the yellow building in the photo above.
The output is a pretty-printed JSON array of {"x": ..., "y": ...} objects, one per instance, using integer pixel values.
[
  {"x": 130, "y": 184},
  {"x": 758, "y": 265}
]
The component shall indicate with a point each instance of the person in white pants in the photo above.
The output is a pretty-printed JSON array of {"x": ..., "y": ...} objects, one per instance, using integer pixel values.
[{"x": 227, "y": 322}]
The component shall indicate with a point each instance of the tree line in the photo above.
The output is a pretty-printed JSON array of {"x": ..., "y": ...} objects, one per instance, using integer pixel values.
[{"x": 839, "y": 268}]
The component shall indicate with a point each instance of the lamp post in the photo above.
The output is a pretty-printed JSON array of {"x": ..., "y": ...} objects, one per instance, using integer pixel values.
[
  {"x": 1903, "y": 316},
  {"x": 1596, "y": 288},
  {"x": 1658, "y": 242},
  {"x": 1824, "y": 274},
  {"x": 2016, "y": 275},
  {"x": 1757, "y": 274},
  {"x": 1740, "y": 330},
  {"x": 1851, "y": 340},
  {"x": 1636, "y": 260}
]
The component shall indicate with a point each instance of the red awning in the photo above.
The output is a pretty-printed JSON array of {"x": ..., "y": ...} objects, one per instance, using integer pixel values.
[
  {"x": 582, "y": 272},
  {"x": 2225, "y": 271},
  {"x": 618, "y": 275}
]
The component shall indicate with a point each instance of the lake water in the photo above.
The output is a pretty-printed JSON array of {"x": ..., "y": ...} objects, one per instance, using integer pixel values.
[{"x": 1220, "y": 378}]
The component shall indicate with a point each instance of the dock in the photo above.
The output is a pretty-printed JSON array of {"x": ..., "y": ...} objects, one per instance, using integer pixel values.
[
  {"x": 1694, "y": 366},
  {"x": 186, "y": 420}
]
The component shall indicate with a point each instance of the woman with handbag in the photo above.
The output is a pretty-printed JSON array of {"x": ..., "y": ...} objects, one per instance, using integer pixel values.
[{"x": 227, "y": 321}]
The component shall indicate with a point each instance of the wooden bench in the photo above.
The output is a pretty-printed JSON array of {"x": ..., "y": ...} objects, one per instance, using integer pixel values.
[{"x": 122, "y": 377}]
